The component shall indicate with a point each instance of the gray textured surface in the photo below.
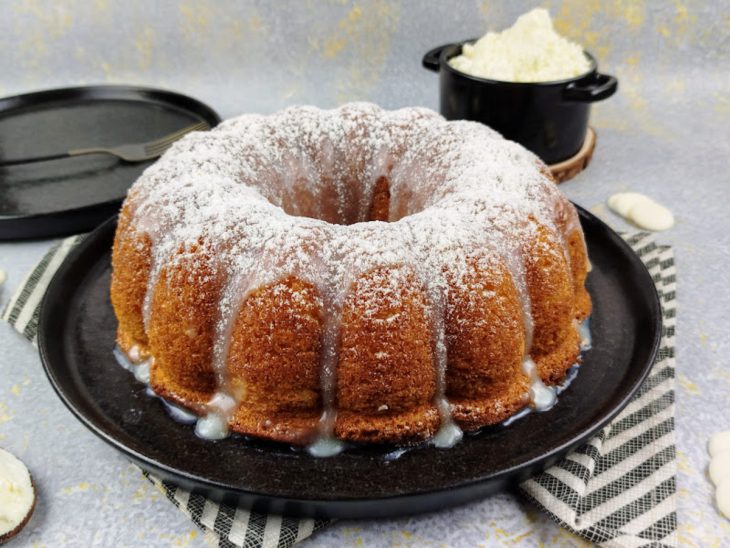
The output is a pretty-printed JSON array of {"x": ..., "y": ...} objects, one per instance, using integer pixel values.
[{"x": 665, "y": 134}]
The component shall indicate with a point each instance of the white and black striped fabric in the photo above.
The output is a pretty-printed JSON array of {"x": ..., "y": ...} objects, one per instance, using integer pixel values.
[
  {"x": 620, "y": 488},
  {"x": 229, "y": 527},
  {"x": 617, "y": 490}
]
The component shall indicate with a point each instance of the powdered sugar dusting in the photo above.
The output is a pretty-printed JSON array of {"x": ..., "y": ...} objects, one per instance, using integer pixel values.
[{"x": 290, "y": 193}]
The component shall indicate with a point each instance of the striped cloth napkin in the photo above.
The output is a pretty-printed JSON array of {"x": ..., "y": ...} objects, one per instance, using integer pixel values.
[
  {"x": 617, "y": 490},
  {"x": 620, "y": 489}
]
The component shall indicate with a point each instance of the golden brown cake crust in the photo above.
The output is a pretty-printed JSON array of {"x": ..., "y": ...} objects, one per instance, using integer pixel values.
[
  {"x": 486, "y": 345},
  {"x": 131, "y": 263},
  {"x": 273, "y": 362},
  {"x": 356, "y": 273}
]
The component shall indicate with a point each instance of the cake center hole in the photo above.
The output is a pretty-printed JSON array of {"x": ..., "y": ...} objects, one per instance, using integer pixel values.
[{"x": 339, "y": 202}]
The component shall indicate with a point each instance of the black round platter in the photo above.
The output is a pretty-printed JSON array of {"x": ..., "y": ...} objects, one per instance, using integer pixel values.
[
  {"x": 72, "y": 195},
  {"x": 76, "y": 338}
]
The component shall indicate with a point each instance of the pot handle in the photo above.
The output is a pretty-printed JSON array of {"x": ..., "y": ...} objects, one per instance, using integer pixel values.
[
  {"x": 601, "y": 87},
  {"x": 431, "y": 59}
]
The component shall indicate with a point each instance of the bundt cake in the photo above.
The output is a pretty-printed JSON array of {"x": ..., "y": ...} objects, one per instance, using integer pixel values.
[{"x": 353, "y": 274}]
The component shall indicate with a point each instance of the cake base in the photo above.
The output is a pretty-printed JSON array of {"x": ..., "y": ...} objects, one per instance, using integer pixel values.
[{"x": 567, "y": 169}]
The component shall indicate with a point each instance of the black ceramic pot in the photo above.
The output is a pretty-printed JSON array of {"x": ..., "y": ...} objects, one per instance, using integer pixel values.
[{"x": 548, "y": 118}]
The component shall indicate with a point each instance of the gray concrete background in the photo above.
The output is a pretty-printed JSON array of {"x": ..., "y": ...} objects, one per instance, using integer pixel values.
[{"x": 666, "y": 133}]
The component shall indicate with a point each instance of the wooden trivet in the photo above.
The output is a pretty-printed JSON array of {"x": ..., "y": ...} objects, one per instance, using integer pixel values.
[{"x": 567, "y": 169}]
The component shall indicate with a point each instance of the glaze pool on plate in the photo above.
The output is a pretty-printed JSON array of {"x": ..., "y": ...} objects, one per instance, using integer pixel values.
[{"x": 76, "y": 338}]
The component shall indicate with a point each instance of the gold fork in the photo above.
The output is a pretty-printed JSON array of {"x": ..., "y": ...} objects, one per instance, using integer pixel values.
[{"x": 132, "y": 152}]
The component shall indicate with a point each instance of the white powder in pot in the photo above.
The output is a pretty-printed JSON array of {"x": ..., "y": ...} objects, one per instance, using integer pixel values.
[{"x": 529, "y": 51}]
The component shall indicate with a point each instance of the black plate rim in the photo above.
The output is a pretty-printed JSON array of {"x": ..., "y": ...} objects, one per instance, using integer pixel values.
[
  {"x": 345, "y": 507},
  {"x": 73, "y": 220}
]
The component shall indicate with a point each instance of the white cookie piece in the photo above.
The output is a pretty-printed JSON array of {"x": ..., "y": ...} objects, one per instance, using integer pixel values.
[
  {"x": 642, "y": 211},
  {"x": 719, "y": 443},
  {"x": 17, "y": 496},
  {"x": 651, "y": 216},
  {"x": 722, "y": 497},
  {"x": 719, "y": 468},
  {"x": 622, "y": 202}
]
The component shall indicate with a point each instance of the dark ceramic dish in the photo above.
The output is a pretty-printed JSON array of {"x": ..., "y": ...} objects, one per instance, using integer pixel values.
[
  {"x": 76, "y": 337},
  {"x": 71, "y": 195},
  {"x": 548, "y": 118}
]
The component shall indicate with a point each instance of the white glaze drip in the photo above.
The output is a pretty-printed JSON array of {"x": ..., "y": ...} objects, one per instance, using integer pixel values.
[
  {"x": 396, "y": 454},
  {"x": 326, "y": 447},
  {"x": 517, "y": 416},
  {"x": 154, "y": 277},
  {"x": 140, "y": 369},
  {"x": 569, "y": 378},
  {"x": 332, "y": 286},
  {"x": 214, "y": 424},
  {"x": 212, "y": 427},
  {"x": 134, "y": 354},
  {"x": 516, "y": 268},
  {"x": 586, "y": 339},
  {"x": 179, "y": 414},
  {"x": 567, "y": 222},
  {"x": 542, "y": 397},
  {"x": 142, "y": 372},
  {"x": 449, "y": 434},
  {"x": 538, "y": 392},
  {"x": 240, "y": 283},
  {"x": 123, "y": 359},
  {"x": 332, "y": 301}
]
